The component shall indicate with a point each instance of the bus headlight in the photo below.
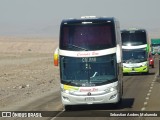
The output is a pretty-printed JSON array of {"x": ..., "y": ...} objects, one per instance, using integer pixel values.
[
  {"x": 144, "y": 64},
  {"x": 65, "y": 91},
  {"x": 111, "y": 89}
]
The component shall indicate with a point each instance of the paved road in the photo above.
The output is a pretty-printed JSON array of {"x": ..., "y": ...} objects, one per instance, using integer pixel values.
[{"x": 141, "y": 93}]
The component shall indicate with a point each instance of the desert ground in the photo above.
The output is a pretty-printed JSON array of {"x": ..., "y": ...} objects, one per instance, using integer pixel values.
[{"x": 26, "y": 69}]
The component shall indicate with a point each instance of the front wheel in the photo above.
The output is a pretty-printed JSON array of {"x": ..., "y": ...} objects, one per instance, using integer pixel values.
[
  {"x": 146, "y": 73},
  {"x": 116, "y": 105},
  {"x": 120, "y": 101},
  {"x": 68, "y": 107}
]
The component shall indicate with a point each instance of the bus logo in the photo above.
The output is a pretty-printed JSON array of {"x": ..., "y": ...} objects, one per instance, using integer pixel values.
[{"x": 89, "y": 94}]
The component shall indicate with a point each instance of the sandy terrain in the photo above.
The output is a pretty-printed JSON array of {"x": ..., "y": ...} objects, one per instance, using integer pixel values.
[{"x": 26, "y": 69}]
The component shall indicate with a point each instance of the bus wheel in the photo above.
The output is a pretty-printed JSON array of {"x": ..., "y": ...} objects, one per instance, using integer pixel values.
[
  {"x": 146, "y": 73},
  {"x": 68, "y": 107},
  {"x": 120, "y": 101},
  {"x": 117, "y": 105}
]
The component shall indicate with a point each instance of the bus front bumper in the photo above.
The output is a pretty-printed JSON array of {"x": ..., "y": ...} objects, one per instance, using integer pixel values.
[
  {"x": 68, "y": 99},
  {"x": 143, "y": 69}
]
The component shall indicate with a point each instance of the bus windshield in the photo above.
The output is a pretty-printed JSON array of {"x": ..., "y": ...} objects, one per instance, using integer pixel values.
[
  {"x": 133, "y": 38},
  {"x": 134, "y": 56},
  {"x": 155, "y": 48},
  {"x": 84, "y": 37},
  {"x": 91, "y": 71}
]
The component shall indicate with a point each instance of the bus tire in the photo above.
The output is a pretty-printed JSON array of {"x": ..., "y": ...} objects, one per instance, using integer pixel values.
[
  {"x": 68, "y": 107},
  {"x": 116, "y": 105},
  {"x": 146, "y": 73},
  {"x": 120, "y": 101}
]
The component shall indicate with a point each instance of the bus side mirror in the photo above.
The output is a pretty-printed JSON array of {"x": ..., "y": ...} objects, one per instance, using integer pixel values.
[{"x": 55, "y": 57}]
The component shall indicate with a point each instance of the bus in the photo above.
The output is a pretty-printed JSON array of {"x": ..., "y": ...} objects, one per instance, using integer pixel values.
[
  {"x": 155, "y": 46},
  {"x": 90, "y": 61},
  {"x": 135, "y": 49}
]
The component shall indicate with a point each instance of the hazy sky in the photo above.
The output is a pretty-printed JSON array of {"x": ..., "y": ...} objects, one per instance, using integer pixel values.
[{"x": 43, "y": 17}]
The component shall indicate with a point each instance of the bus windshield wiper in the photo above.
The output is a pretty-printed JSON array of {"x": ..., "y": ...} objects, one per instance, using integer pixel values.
[
  {"x": 81, "y": 48},
  {"x": 68, "y": 82},
  {"x": 94, "y": 75},
  {"x": 124, "y": 61}
]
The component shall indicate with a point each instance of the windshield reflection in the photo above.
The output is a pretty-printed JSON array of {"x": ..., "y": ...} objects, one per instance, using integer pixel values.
[
  {"x": 88, "y": 71},
  {"x": 134, "y": 37},
  {"x": 87, "y": 37},
  {"x": 134, "y": 56}
]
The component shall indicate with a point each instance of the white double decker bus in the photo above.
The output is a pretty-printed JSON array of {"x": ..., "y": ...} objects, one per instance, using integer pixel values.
[{"x": 89, "y": 58}]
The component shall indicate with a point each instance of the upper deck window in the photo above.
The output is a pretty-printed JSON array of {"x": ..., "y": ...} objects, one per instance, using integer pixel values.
[
  {"x": 87, "y": 37},
  {"x": 134, "y": 38}
]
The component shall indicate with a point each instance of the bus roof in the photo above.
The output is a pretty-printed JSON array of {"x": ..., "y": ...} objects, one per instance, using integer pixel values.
[
  {"x": 88, "y": 19},
  {"x": 133, "y": 29}
]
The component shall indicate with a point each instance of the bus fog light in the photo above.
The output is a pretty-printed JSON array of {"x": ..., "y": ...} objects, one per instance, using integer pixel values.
[
  {"x": 65, "y": 98},
  {"x": 113, "y": 96}
]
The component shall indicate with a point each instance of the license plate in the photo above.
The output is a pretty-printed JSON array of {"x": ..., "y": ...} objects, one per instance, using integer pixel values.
[{"x": 89, "y": 99}]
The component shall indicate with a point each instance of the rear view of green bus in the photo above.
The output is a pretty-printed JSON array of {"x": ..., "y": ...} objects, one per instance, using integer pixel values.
[{"x": 135, "y": 51}]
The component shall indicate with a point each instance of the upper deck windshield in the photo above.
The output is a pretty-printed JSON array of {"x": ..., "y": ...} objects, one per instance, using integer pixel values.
[
  {"x": 92, "y": 71},
  {"x": 84, "y": 37},
  {"x": 137, "y": 37},
  {"x": 134, "y": 56}
]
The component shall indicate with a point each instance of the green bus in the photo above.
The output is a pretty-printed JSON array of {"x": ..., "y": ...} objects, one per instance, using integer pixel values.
[{"x": 135, "y": 49}]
